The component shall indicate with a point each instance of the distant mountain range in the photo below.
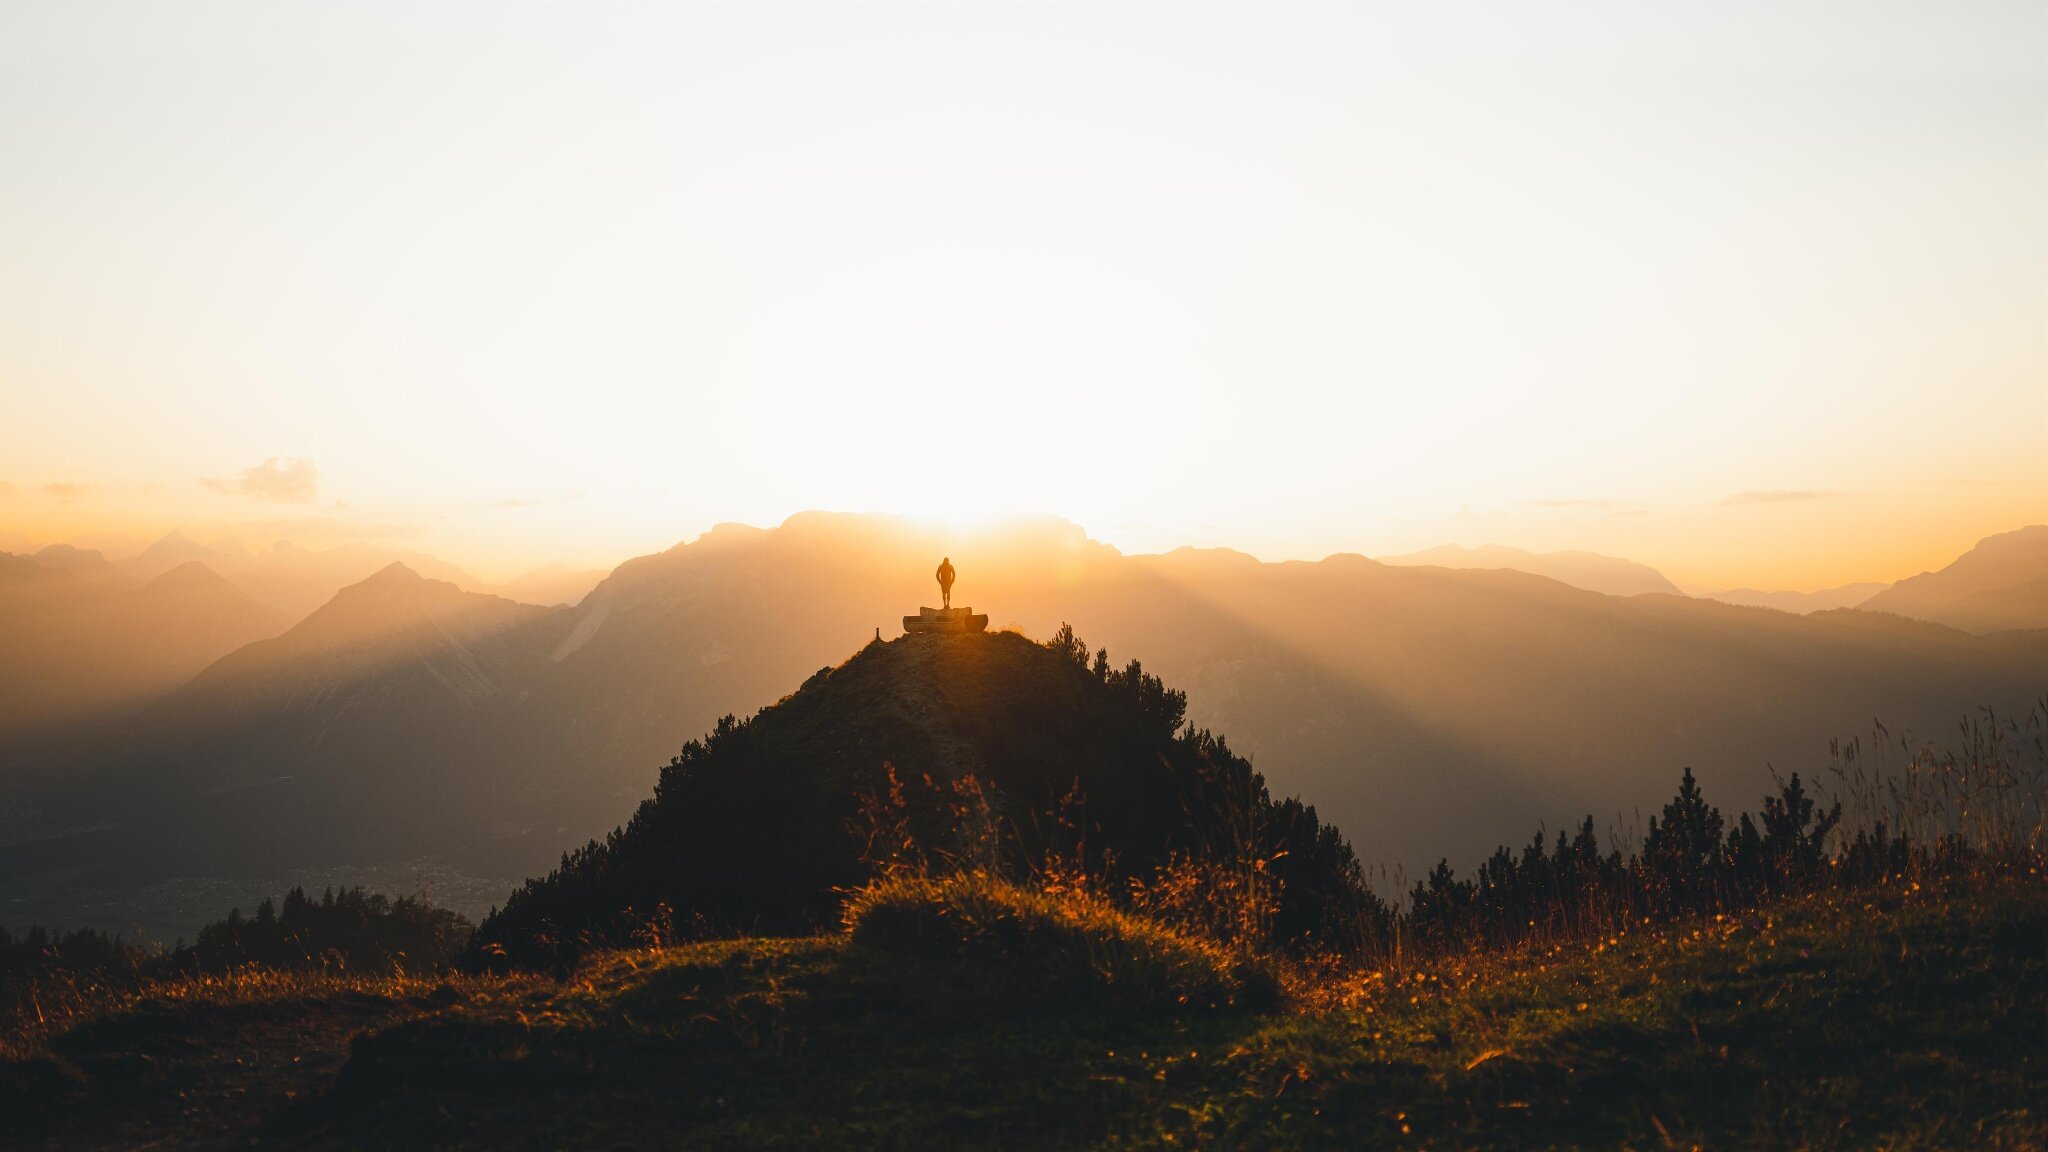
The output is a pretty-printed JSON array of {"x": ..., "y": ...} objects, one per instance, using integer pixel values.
[
  {"x": 1422, "y": 709},
  {"x": 83, "y": 639},
  {"x": 294, "y": 580},
  {"x": 1999, "y": 585},
  {"x": 89, "y": 638},
  {"x": 1588, "y": 570},
  {"x": 1801, "y": 603}
]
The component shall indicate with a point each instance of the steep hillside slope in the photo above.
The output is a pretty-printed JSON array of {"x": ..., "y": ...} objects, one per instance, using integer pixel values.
[
  {"x": 2000, "y": 584},
  {"x": 372, "y": 730},
  {"x": 756, "y": 827}
]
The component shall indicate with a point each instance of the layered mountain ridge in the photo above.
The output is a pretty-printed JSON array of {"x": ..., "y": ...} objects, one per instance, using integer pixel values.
[
  {"x": 1999, "y": 585},
  {"x": 1425, "y": 710},
  {"x": 1588, "y": 570},
  {"x": 84, "y": 642}
]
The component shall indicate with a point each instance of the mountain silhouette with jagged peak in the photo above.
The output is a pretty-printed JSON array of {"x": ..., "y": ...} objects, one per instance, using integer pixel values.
[
  {"x": 175, "y": 549},
  {"x": 85, "y": 642},
  {"x": 296, "y": 580},
  {"x": 979, "y": 746},
  {"x": 360, "y": 733},
  {"x": 451, "y": 640}
]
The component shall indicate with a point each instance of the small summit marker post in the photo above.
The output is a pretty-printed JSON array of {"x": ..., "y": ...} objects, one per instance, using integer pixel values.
[{"x": 945, "y": 618}]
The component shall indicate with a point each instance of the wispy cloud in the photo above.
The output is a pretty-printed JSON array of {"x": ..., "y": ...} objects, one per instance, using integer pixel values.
[
  {"x": 280, "y": 481},
  {"x": 1777, "y": 496},
  {"x": 65, "y": 490},
  {"x": 1574, "y": 503}
]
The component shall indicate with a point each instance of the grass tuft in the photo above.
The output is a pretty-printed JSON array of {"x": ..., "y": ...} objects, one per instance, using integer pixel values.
[{"x": 1066, "y": 951}]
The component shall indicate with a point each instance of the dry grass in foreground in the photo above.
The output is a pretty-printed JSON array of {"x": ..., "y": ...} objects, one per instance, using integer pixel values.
[{"x": 1903, "y": 1015}]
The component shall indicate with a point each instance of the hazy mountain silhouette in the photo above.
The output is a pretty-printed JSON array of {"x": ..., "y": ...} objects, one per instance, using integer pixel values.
[
  {"x": 2000, "y": 584},
  {"x": 1588, "y": 570},
  {"x": 226, "y": 557},
  {"x": 87, "y": 563},
  {"x": 1424, "y": 710},
  {"x": 294, "y": 581},
  {"x": 1801, "y": 603},
  {"x": 395, "y": 617},
  {"x": 82, "y": 641},
  {"x": 365, "y": 732}
]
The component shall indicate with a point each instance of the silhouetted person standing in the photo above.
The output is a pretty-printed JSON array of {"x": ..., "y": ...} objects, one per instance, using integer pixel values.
[{"x": 945, "y": 575}]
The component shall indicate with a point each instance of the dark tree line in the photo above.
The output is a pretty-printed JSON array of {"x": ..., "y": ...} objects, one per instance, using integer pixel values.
[
  {"x": 349, "y": 929},
  {"x": 346, "y": 930},
  {"x": 1689, "y": 863}
]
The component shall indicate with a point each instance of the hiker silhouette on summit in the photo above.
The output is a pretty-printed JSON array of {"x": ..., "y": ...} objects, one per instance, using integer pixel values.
[{"x": 945, "y": 575}]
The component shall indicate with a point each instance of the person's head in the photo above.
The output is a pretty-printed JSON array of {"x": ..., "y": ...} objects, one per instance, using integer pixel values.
[{"x": 945, "y": 559}]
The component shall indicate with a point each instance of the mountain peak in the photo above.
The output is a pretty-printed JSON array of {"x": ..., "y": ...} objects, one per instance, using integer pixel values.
[
  {"x": 193, "y": 591},
  {"x": 396, "y": 600},
  {"x": 395, "y": 584},
  {"x": 176, "y": 548},
  {"x": 192, "y": 574}
]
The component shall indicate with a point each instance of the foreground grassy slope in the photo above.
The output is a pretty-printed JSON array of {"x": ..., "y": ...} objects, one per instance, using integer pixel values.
[{"x": 1896, "y": 1018}]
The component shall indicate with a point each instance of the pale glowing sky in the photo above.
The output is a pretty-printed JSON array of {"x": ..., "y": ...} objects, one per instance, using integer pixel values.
[{"x": 1756, "y": 294}]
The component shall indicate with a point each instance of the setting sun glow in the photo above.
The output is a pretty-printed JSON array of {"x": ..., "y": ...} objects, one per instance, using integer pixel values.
[{"x": 571, "y": 285}]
